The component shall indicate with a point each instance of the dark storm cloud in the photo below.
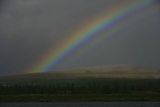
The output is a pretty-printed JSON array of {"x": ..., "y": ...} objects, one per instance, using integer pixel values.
[
  {"x": 29, "y": 27},
  {"x": 1, "y": 2},
  {"x": 138, "y": 44},
  {"x": 157, "y": 1}
]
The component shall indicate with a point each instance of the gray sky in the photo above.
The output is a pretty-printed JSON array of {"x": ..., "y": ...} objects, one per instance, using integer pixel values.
[{"x": 28, "y": 28}]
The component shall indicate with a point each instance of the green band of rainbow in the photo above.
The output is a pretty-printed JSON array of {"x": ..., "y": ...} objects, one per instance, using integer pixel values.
[{"x": 93, "y": 32}]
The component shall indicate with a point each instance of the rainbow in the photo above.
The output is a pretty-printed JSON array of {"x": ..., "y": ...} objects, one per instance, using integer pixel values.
[{"x": 100, "y": 28}]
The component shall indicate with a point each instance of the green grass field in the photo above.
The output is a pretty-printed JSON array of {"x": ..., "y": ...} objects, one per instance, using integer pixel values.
[{"x": 80, "y": 98}]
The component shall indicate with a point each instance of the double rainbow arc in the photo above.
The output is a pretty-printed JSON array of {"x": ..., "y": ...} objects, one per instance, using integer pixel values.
[{"x": 99, "y": 28}]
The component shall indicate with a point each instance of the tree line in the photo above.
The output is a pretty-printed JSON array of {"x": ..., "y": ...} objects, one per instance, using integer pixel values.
[{"x": 85, "y": 86}]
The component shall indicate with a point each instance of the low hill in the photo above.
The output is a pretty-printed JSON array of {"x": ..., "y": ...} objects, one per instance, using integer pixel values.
[
  {"x": 120, "y": 71},
  {"x": 112, "y": 69}
]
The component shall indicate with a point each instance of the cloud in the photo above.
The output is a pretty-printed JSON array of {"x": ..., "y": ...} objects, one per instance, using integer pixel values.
[{"x": 30, "y": 27}]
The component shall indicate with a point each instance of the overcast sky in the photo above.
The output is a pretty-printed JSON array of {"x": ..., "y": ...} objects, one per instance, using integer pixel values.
[{"x": 28, "y": 28}]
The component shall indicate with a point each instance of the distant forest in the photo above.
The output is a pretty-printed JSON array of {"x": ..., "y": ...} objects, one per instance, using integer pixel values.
[{"x": 85, "y": 86}]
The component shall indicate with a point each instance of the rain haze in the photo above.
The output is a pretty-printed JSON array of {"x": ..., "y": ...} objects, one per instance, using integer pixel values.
[{"x": 29, "y": 28}]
